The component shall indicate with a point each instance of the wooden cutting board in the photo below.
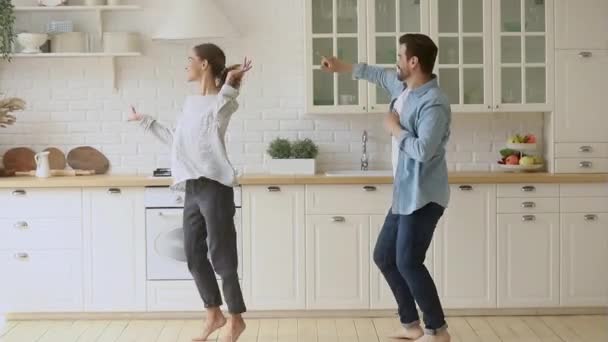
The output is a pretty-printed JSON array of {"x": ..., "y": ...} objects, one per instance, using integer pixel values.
[
  {"x": 19, "y": 159},
  {"x": 88, "y": 158},
  {"x": 56, "y": 158}
]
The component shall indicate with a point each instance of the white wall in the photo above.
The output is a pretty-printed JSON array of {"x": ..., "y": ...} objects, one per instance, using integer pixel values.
[{"x": 71, "y": 103}]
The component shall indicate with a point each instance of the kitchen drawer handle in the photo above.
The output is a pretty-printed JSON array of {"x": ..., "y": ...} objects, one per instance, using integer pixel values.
[
  {"x": 22, "y": 256},
  {"x": 369, "y": 188},
  {"x": 585, "y": 149},
  {"x": 465, "y": 188},
  {"x": 170, "y": 214},
  {"x": 528, "y": 218},
  {"x": 585, "y": 54},
  {"x": 274, "y": 189},
  {"x": 338, "y": 219},
  {"x": 19, "y": 193},
  {"x": 21, "y": 225},
  {"x": 528, "y": 205},
  {"x": 114, "y": 191},
  {"x": 585, "y": 165},
  {"x": 590, "y": 217},
  {"x": 528, "y": 188}
]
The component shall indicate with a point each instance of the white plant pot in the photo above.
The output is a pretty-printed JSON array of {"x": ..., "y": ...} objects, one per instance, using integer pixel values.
[{"x": 292, "y": 167}]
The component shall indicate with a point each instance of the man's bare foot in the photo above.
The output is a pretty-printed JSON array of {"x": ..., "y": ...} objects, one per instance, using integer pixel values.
[
  {"x": 411, "y": 333},
  {"x": 215, "y": 321},
  {"x": 235, "y": 328}
]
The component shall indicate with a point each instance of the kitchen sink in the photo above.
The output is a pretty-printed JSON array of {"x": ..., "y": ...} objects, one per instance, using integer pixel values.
[{"x": 359, "y": 173}]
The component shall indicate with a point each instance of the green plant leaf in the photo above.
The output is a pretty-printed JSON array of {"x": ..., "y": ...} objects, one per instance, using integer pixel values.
[{"x": 279, "y": 148}]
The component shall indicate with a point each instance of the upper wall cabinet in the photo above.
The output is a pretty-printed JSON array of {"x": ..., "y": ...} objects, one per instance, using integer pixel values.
[
  {"x": 355, "y": 31},
  {"x": 581, "y": 24},
  {"x": 494, "y": 55}
]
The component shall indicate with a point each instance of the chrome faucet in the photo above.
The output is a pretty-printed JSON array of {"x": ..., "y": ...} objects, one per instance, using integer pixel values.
[{"x": 364, "y": 161}]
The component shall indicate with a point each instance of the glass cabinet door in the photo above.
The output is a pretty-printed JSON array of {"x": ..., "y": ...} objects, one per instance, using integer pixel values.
[
  {"x": 335, "y": 28},
  {"x": 521, "y": 46},
  {"x": 387, "y": 21},
  {"x": 461, "y": 29}
]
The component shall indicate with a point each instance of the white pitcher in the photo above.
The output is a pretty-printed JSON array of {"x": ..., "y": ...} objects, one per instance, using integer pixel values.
[{"x": 43, "y": 169}]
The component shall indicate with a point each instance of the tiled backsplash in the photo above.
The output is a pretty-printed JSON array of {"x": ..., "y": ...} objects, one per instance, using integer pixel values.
[{"x": 71, "y": 101}]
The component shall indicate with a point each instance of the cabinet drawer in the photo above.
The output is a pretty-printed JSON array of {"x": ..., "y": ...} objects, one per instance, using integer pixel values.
[
  {"x": 42, "y": 281},
  {"x": 583, "y": 150},
  {"x": 584, "y": 205},
  {"x": 40, "y": 203},
  {"x": 40, "y": 234},
  {"x": 587, "y": 165},
  {"x": 348, "y": 199},
  {"x": 528, "y": 190},
  {"x": 528, "y": 205},
  {"x": 584, "y": 190}
]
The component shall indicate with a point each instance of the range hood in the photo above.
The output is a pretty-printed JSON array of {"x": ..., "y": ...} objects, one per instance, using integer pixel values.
[{"x": 194, "y": 19}]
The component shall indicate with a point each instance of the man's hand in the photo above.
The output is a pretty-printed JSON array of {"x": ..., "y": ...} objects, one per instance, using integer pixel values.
[
  {"x": 235, "y": 77},
  {"x": 333, "y": 64},
  {"x": 392, "y": 125}
]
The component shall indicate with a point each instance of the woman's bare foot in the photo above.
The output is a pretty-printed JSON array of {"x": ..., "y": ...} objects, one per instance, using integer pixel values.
[
  {"x": 411, "y": 333},
  {"x": 215, "y": 320},
  {"x": 236, "y": 326}
]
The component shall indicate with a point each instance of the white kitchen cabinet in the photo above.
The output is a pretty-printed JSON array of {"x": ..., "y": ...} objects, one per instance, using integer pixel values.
[
  {"x": 41, "y": 280},
  {"x": 465, "y": 248},
  {"x": 114, "y": 240},
  {"x": 581, "y": 24},
  {"x": 528, "y": 260},
  {"x": 356, "y": 31},
  {"x": 273, "y": 248},
  {"x": 337, "y": 262},
  {"x": 348, "y": 199},
  {"x": 523, "y": 55},
  {"x": 462, "y": 29},
  {"x": 584, "y": 251},
  {"x": 381, "y": 296},
  {"x": 580, "y": 112}
]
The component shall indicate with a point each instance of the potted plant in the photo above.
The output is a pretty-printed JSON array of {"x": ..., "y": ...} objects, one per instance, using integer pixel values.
[
  {"x": 297, "y": 158},
  {"x": 7, "y": 24}
]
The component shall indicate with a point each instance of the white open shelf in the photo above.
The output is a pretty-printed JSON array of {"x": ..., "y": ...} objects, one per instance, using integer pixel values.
[
  {"x": 76, "y": 8},
  {"x": 76, "y": 54}
]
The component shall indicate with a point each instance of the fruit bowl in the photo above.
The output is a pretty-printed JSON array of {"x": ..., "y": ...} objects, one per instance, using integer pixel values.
[
  {"x": 522, "y": 146},
  {"x": 521, "y": 167}
]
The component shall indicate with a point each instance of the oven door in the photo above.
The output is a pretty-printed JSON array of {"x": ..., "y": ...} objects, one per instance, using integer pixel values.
[{"x": 166, "y": 259}]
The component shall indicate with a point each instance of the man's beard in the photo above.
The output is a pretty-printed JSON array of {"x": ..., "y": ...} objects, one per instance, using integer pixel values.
[{"x": 402, "y": 75}]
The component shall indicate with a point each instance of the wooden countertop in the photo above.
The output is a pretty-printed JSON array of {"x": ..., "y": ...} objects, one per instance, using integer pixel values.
[{"x": 266, "y": 179}]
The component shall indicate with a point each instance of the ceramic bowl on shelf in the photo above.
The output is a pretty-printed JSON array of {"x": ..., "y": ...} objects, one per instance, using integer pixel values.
[
  {"x": 52, "y": 3},
  {"x": 32, "y": 42},
  {"x": 522, "y": 146}
]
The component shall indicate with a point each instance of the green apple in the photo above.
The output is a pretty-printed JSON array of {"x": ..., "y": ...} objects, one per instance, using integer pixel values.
[
  {"x": 526, "y": 161},
  {"x": 538, "y": 159},
  {"x": 513, "y": 140}
]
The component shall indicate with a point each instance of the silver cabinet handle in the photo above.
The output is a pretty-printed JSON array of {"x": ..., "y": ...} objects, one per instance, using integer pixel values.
[
  {"x": 338, "y": 219},
  {"x": 373, "y": 107},
  {"x": 585, "y": 165},
  {"x": 114, "y": 191},
  {"x": 585, "y": 149},
  {"x": 19, "y": 193},
  {"x": 22, "y": 256},
  {"x": 585, "y": 54},
  {"x": 465, "y": 188},
  {"x": 590, "y": 217},
  {"x": 496, "y": 107},
  {"x": 528, "y": 218},
  {"x": 364, "y": 108},
  {"x": 369, "y": 188},
  {"x": 528, "y": 205},
  {"x": 489, "y": 107},
  {"x": 170, "y": 214},
  {"x": 274, "y": 189},
  {"x": 22, "y": 225},
  {"x": 528, "y": 188}
]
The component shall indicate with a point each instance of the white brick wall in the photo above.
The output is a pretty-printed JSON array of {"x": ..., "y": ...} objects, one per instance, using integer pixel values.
[{"x": 70, "y": 101}]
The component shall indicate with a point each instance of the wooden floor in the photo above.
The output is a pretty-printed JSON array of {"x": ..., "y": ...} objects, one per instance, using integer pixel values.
[{"x": 463, "y": 329}]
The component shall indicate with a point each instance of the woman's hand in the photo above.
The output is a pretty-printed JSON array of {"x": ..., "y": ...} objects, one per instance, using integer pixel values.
[
  {"x": 235, "y": 77},
  {"x": 134, "y": 115}
]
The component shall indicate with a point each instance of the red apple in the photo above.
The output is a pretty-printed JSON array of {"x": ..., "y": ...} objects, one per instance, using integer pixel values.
[
  {"x": 530, "y": 139},
  {"x": 512, "y": 160}
]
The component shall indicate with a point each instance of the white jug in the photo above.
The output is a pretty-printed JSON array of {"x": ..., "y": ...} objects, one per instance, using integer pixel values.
[{"x": 43, "y": 169}]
